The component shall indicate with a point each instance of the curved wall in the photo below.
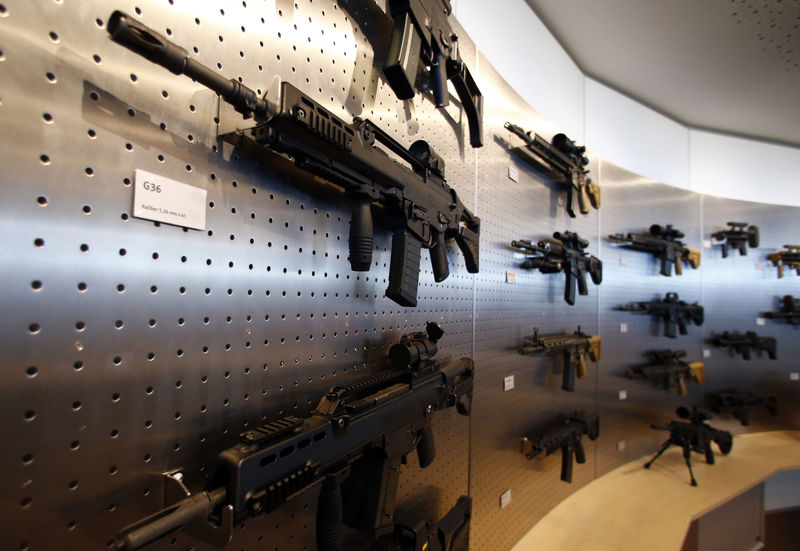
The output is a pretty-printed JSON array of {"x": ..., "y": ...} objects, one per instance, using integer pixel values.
[{"x": 616, "y": 127}]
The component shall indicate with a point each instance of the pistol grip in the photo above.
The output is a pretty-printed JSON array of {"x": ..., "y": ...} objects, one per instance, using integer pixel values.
[
  {"x": 678, "y": 266},
  {"x": 361, "y": 234},
  {"x": 439, "y": 78},
  {"x": 404, "y": 268},
  {"x": 426, "y": 449},
  {"x": 402, "y": 61},
  {"x": 682, "y": 386},
  {"x": 471, "y": 99},
  {"x": 581, "y": 365},
  {"x": 570, "y": 201},
  {"x": 583, "y": 200},
  {"x": 580, "y": 453},
  {"x": 438, "y": 254}
]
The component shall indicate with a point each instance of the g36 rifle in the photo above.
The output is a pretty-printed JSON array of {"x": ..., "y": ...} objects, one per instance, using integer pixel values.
[
  {"x": 671, "y": 310},
  {"x": 790, "y": 311},
  {"x": 668, "y": 368},
  {"x": 422, "y": 33},
  {"x": 742, "y": 343},
  {"x": 565, "y": 435},
  {"x": 572, "y": 346},
  {"x": 789, "y": 258},
  {"x": 563, "y": 253},
  {"x": 563, "y": 162},
  {"x": 694, "y": 436},
  {"x": 663, "y": 243},
  {"x": 737, "y": 237},
  {"x": 352, "y": 444},
  {"x": 739, "y": 403},
  {"x": 421, "y": 209}
]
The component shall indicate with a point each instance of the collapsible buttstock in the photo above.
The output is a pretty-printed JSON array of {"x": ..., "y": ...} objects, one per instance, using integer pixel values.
[
  {"x": 404, "y": 268},
  {"x": 697, "y": 371},
  {"x": 595, "y": 346},
  {"x": 693, "y": 257}
]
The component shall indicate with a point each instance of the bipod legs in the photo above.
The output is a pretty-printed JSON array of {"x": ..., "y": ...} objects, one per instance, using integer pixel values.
[
  {"x": 687, "y": 454},
  {"x": 664, "y": 447}
]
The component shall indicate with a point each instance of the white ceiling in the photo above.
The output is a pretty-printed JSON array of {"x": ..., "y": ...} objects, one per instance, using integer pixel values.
[{"x": 726, "y": 65}]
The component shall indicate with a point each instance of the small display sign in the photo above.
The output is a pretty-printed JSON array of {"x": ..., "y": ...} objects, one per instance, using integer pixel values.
[{"x": 165, "y": 200}]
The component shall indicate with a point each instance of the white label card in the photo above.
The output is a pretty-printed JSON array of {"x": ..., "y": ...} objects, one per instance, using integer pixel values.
[
  {"x": 623, "y": 327},
  {"x": 508, "y": 382},
  {"x": 513, "y": 173},
  {"x": 794, "y": 376},
  {"x": 622, "y": 394},
  {"x": 505, "y": 498},
  {"x": 707, "y": 243},
  {"x": 165, "y": 200},
  {"x": 511, "y": 276},
  {"x": 761, "y": 321}
]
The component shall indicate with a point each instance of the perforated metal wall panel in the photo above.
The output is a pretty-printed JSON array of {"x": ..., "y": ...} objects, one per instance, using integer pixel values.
[{"x": 134, "y": 348}]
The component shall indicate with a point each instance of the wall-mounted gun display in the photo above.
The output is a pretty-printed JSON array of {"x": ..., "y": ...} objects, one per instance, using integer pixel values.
[
  {"x": 352, "y": 444},
  {"x": 671, "y": 310},
  {"x": 563, "y": 253},
  {"x": 789, "y": 258},
  {"x": 421, "y": 209},
  {"x": 694, "y": 436},
  {"x": 422, "y": 33},
  {"x": 742, "y": 343},
  {"x": 737, "y": 237},
  {"x": 790, "y": 311},
  {"x": 562, "y": 161},
  {"x": 565, "y": 435},
  {"x": 663, "y": 243},
  {"x": 572, "y": 346},
  {"x": 668, "y": 368},
  {"x": 739, "y": 403}
]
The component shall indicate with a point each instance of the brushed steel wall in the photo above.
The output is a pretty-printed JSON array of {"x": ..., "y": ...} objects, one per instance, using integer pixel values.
[{"x": 134, "y": 348}]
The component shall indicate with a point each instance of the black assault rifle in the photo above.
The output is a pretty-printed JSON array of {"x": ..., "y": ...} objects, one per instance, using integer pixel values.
[
  {"x": 790, "y": 311},
  {"x": 352, "y": 444},
  {"x": 662, "y": 242},
  {"x": 565, "y": 435},
  {"x": 740, "y": 343},
  {"x": 563, "y": 162},
  {"x": 668, "y": 368},
  {"x": 572, "y": 346},
  {"x": 563, "y": 253},
  {"x": 694, "y": 436},
  {"x": 421, "y": 209},
  {"x": 422, "y": 32},
  {"x": 737, "y": 237},
  {"x": 671, "y": 310},
  {"x": 739, "y": 403}
]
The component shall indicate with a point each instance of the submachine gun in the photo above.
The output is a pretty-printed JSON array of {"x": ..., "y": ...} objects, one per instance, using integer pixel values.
[
  {"x": 740, "y": 343},
  {"x": 737, "y": 237},
  {"x": 421, "y": 209},
  {"x": 694, "y": 436},
  {"x": 572, "y": 346},
  {"x": 790, "y": 311},
  {"x": 671, "y": 310},
  {"x": 739, "y": 403},
  {"x": 668, "y": 368},
  {"x": 563, "y": 253},
  {"x": 789, "y": 258},
  {"x": 352, "y": 444},
  {"x": 565, "y": 435},
  {"x": 663, "y": 243},
  {"x": 562, "y": 161},
  {"x": 422, "y": 33}
]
